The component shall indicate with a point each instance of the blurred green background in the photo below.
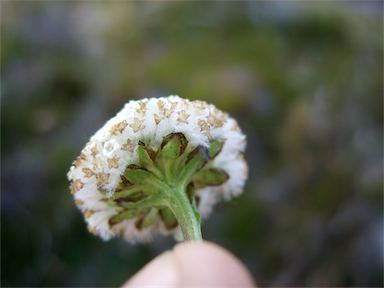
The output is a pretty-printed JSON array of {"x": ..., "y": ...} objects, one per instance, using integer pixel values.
[{"x": 304, "y": 79}]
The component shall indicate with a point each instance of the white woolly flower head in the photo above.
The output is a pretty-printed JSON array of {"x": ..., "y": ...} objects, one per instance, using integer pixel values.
[{"x": 107, "y": 194}]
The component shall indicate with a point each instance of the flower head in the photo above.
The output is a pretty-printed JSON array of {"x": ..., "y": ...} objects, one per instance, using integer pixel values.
[{"x": 117, "y": 181}]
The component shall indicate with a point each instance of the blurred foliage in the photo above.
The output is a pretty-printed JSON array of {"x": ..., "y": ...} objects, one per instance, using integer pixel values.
[{"x": 304, "y": 79}]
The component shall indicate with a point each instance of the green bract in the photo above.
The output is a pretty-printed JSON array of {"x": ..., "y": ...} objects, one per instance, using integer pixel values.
[{"x": 164, "y": 183}]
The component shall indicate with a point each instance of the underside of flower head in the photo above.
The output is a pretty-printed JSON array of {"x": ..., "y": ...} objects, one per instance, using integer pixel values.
[{"x": 151, "y": 159}]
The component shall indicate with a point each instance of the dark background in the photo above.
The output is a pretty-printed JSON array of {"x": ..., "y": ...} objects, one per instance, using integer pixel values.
[{"x": 304, "y": 79}]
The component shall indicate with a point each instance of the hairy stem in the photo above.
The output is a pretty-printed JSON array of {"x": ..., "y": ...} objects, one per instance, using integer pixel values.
[{"x": 185, "y": 215}]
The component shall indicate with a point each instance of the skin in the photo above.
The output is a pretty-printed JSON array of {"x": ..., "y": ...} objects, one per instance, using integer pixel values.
[{"x": 193, "y": 264}]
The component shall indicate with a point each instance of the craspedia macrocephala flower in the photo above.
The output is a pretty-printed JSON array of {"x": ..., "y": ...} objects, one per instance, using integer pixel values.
[{"x": 121, "y": 180}]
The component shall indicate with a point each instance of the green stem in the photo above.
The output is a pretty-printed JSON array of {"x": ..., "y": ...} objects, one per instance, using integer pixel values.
[{"x": 188, "y": 221}]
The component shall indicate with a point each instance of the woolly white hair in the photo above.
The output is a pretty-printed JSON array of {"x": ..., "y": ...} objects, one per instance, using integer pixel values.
[{"x": 113, "y": 147}]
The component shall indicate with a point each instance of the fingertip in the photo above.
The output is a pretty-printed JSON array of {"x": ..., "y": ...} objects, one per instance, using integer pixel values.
[
  {"x": 208, "y": 264},
  {"x": 193, "y": 264},
  {"x": 160, "y": 272}
]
